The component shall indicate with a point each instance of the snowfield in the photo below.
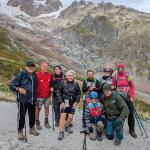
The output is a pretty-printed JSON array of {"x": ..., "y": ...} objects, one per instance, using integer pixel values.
[
  {"x": 48, "y": 138},
  {"x": 13, "y": 13}
]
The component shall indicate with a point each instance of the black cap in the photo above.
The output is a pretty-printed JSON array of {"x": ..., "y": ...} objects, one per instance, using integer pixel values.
[
  {"x": 30, "y": 63},
  {"x": 57, "y": 66}
]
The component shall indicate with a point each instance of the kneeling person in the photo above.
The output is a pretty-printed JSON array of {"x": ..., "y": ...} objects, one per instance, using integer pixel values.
[
  {"x": 116, "y": 113},
  {"x": 68, "y": 95},
  {"x": 94, "y": 117}
]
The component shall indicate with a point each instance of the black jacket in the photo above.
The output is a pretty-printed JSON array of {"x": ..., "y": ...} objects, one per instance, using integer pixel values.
[
  {"x": 27, "y": 82},
  {"x": 87, "y": 83},
  {"x": 56, "y": 81},
  {"x": 69, "y": 90},
  {"x": 103, "y": 80}
]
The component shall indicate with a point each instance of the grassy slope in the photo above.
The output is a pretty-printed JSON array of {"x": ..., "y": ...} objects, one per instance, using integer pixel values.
[{"x": 12, "y": 57}]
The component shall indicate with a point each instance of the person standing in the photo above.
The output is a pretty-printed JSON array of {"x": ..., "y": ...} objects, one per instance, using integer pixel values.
[
  {"x": 107, "y": 77},
  {"x": 57, "y": 78},
  {"x": 44, "y": 79},
  {"x": 25, "y": 86},
  {"x": 90, "y": 84},
  {"x": 68, "y": 95},
  {"x": 122, "y": 82}
]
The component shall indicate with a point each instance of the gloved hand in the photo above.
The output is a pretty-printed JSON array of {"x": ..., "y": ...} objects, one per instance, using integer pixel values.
[
  {"x": 117, "y": 122},
  {"x": 90, "y": 129}
]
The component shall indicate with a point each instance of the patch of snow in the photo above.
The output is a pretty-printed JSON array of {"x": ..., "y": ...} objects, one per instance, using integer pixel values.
[
  {"x": 40, "y": 2},
  {"x": 54, "y": 14},
  {"x": 82, "y": 6},
  {"x": 23, "y": 24},
  {"x": 13, "y": 12}
]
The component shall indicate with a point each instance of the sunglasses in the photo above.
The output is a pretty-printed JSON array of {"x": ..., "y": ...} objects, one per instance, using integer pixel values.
[
  {"x": 120, "y": 69},
  {"x": 107, "y": 71}
]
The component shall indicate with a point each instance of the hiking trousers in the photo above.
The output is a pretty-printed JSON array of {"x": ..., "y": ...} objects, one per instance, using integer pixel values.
[
  {"x": 111, "y": 131},
  {"x": 56, "y": 108},
  {"x": 22, "y": 109},
  {"x": 131, "y": 120}
]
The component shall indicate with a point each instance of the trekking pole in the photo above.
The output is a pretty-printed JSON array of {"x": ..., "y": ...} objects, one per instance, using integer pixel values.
[
  {"x": 140, "y": 121},
  {"x": 25, "y": 137},
  {"x": 52, "y": 109},
  {"x": 141, "y": 124},
  {"x": 84, "y": 142},
  {"x": 83, "y": 110}
]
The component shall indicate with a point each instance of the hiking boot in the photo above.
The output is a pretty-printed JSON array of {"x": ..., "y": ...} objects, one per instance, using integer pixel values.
[
  {"x": 34, "y": 131},
  {"x": 71, "y": 125},
  {"x": 38, "y": 126},
  {"x": 83, "y": 125},
  {"x": 117, "y": 142},
  {"x": 56, "y": 124},
  {"x": 60, "y": 136},
  {"x": 20, "y": 135},
  {"x": 46, "y": 123},
  {"x": 133, "y": 134},
  {"x": 67, "y": 129},
  {"x": 99, "y": 137}
]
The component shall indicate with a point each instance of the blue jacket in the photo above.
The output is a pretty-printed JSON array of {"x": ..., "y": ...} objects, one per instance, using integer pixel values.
[{"x": 27, "y": 82}]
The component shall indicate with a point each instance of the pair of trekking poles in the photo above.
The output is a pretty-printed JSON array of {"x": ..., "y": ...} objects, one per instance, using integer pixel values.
[
  {"x": 25, "y": 137},
  {"x": 137, "y": 117},
  {"x": 139, "y": 121}
]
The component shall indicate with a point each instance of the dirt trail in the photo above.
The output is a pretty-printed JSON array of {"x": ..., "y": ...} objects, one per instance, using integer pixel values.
[{"x": 48, "y": 138}]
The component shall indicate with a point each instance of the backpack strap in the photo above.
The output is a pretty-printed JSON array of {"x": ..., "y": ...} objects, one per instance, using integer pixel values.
[
  {"x": 116, "y": 81},
  {"x": 86, "y": 81}
]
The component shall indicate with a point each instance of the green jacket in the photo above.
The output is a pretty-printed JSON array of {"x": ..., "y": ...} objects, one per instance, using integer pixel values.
[{"x": 116, "y": 107}]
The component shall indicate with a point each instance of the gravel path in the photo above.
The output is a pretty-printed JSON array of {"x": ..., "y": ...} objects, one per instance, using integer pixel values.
[{"x": 48, "y": 138}]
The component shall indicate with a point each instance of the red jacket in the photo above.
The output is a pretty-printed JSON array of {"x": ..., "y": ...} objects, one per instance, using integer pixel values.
[
  {"x": 124, "y": 85},
  {"x": 43, "y": 84}
]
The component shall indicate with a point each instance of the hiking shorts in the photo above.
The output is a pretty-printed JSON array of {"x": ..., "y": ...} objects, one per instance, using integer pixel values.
[
  {"x": 42, "y": 101},
  {"x": 68, "y": 110}
]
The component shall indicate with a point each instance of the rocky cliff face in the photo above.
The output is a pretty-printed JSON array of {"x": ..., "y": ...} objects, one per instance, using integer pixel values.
[
  {"x": 105, "y": 33},
  {"x": 36, "y": 7},
  {"x": 92, "y": 35}
]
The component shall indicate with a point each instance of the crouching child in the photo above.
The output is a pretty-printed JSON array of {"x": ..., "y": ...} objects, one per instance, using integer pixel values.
[{"x": 94, "y": 117}]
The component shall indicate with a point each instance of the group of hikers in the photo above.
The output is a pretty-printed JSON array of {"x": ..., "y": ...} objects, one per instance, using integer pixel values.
[{"x": 107, "y": 101}]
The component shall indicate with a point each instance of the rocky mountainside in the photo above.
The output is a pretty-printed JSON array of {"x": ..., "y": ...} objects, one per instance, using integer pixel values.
[
  {"x": 95, "y": 34},
  {"x": 36, "y": 7},
  {"x": 87, "y": 35}
]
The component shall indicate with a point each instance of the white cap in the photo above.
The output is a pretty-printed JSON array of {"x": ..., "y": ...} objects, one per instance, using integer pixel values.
[{"x": 70, "y": 72}]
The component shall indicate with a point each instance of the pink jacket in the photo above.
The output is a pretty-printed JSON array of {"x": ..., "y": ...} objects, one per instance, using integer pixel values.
[{"x": 123, "y": 84}]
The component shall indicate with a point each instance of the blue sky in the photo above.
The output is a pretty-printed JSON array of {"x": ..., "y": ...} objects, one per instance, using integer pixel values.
[{"x": 142, "y": 5}]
